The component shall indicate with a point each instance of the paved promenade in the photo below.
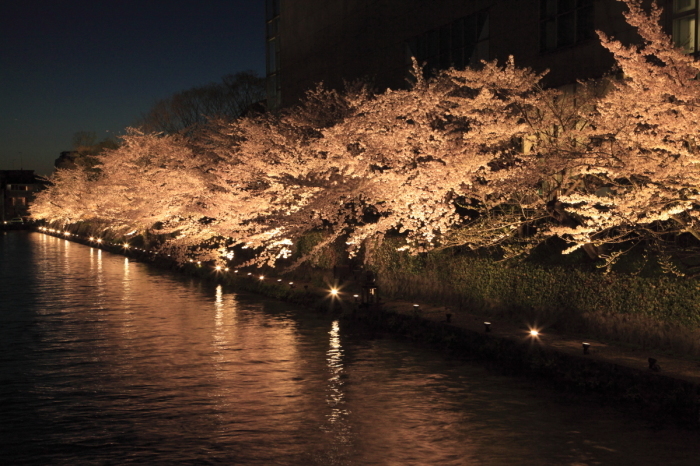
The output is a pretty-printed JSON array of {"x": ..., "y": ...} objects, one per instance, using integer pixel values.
[{"x": 684, "y": 369}]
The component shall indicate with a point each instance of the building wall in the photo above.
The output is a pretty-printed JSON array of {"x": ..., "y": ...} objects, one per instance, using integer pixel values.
[{"x": 337, "y": 40}]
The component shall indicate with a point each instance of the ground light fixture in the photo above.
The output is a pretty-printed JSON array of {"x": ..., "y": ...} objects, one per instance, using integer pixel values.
[
  {"x": 654, "y": 365},
  {"x": 487, "y": 327},
  {"x": 586, "y": 347},
  {"x": 262, "y": 277}
]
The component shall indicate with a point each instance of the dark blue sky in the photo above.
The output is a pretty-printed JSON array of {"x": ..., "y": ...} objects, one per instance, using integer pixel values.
[{"x": 75, "y": 65}]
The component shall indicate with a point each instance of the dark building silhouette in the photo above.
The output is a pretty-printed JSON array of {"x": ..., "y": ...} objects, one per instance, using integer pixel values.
[
  {"x": 309, "y": 41},
  {"x": 17, "y": 188}
]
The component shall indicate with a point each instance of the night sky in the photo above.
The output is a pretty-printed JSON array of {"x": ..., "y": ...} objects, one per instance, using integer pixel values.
[{"x": 75, "y": 65}]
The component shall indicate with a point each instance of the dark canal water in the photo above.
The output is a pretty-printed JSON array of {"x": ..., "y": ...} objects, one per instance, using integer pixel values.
[{"x": 107, "y": 361}]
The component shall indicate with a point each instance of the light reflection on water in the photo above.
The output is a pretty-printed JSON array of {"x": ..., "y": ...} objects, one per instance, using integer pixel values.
[{"x": 103, "y": 360}]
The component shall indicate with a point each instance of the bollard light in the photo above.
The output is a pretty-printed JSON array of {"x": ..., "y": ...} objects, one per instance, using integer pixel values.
[
  {"x": 262, "y": 277},
  {"x": 487, "y": 327},
  {"x": 334, "y": 291},
  {"x": 448, "y": 317},
  {"x": 534, "y": 333},
  {"x": 586, "y": 346}
]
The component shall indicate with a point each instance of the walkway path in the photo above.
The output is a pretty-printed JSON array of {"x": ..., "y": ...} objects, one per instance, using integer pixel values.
[{"x": 683, "y": 369}]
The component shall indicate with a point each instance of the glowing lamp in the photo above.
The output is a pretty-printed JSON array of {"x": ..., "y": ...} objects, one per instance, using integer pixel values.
[
  {"x": 487, "y": 327},
  {"x": 334, "y": 291},
  {"x": 534, "y": 333},
  {"x": 218, "y": 267},
  {"x": 262, "y": 277},
  {"x": 586, "y": 346},
  {"x": 226, "y": 269},
  {"x": 99, "y": 240}
]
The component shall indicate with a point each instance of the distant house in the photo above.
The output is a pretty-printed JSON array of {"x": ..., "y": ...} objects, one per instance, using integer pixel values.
[{"x": 17, "y": 188}]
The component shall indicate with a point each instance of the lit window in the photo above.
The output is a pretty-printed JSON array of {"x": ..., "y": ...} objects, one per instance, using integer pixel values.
[
  {"x": 565, "y": 22},
  {"x": 685, "y": 25}
]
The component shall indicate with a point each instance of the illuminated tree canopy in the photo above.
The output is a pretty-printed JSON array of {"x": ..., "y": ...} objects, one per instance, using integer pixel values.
[{"x": 475, "y": 158}]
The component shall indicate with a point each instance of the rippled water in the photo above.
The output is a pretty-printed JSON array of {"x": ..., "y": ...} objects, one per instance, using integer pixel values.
[{"x": 107, "y": 361}]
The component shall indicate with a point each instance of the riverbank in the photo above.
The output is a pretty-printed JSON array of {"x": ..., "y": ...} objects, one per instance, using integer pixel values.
[
  {"x": 657, "y": 388},
  {"x": 662, "y": 389}
]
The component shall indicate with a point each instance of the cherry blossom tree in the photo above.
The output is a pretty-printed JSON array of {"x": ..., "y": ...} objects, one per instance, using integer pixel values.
[
  {"x": 480, "y": 157},
  {"x": 638, "y": 177}
]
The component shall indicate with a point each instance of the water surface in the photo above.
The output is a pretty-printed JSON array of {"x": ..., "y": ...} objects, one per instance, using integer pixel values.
[{"x": 104, "y": 360}]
